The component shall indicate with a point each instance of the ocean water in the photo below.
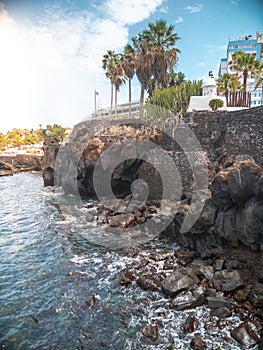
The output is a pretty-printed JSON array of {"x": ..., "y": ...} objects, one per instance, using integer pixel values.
[{"x": 59, "y": 291}]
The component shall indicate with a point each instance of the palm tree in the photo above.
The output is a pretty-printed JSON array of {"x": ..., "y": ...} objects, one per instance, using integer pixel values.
[
  {"x": 108, "y": 64},
  {"x": 118, "y": 79},
  {"x": 223, "y": 84},
  {"x": 162, "y": 40},
  {"x": 129, "y": 68},
  {"x": 245, "y": 64},
  {"x": 143, "y": 62}
]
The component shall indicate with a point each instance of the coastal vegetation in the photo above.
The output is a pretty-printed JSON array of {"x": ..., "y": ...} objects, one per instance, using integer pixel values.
[
  {"x": 151, "y": 56},
  {"x": 176, "y": 98},
  {"x": 23, "y": 137},
  {"x": 216, "y": 103}
]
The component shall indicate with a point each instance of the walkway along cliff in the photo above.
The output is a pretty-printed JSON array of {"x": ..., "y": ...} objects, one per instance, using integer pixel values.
[{"x": 233, "y": 144}]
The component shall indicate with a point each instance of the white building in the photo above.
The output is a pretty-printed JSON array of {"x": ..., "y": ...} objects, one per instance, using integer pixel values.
[{"x": 209, "y": 92}]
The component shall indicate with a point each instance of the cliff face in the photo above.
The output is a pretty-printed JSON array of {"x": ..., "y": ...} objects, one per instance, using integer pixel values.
[
  {"x": 48, "y": 164},
  {"x": 232, "y": 214},
  {"x": 233, "y": 145}
]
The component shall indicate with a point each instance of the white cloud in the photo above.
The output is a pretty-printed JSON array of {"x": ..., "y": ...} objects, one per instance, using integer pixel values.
[
  {"x": 234, "y": 2},
  {"x": 179, "y": 20},
  {"x": 49, "y": 71},
  {"x": 131, "y": 12},
  {"x": 194, "y": 9},
  {"x": 201, "y": 64}
]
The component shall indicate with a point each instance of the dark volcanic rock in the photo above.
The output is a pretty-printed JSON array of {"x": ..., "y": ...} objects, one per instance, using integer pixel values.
[
  {"x": 122, "y": 220},
  {"x": 150, "y": 281},
  {"x": 6, "y": 169},
  {"x": 150, "y": 331},
  {"x": 232, "y": 213},
  {"x": 51, "y": 148},
  {"x": 227, "y": 280},
  {"x": 189, "y": 299},
  {"x": 125, "y": 277},
  {"x": 256, "y": 296},
  {"x": 182, "y": 278},
  {"x": 246, "y": 334},
  {"x": 197, "y": 343},
  {"x": 215, "y": 302}
]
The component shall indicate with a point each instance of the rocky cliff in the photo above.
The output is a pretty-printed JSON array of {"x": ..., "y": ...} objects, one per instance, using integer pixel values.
[{"x": 234, "y": 200}]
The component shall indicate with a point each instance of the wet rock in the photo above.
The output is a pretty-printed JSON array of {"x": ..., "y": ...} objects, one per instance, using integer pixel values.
[
  {"x": 91, "y": 301},
  {"x": 150, "y": 331},
  {"x": 140, "y": 219},
  {"x": 122, "y": 220},
  {"x": 51, "y": 148},
  {"x": 89, "y": 217},
  {"x": 6, "y": 169},
  {"x": 232, "y": 264},
  {"x": 241, "y": 295},
  {"x": 184, "y": 257},
  {"x": 197, "y": 343},
  {"x": 190, "y": 324},
  {"x": 102, "y": 218},
  {"x": 189, "y": 299},
  {"x": 219, "y": 265},
  {"x": 227, "y": 280},
  {"x": 256, "y": 296},
  {"x": 125, "y": 277},
  {"x": 182, "y": 278},
  {"x": 204, "y": 272},
  {"x": 218, "y": 301},
  {"x": 168, "y": 264},
  {"x": 221, "y": 312},
  {"x": 150, "y": 281},
  {"x": 246, "y": 334}
]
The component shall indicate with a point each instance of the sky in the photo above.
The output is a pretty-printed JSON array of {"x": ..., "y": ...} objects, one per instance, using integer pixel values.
[{"x": 51, "y": 50}]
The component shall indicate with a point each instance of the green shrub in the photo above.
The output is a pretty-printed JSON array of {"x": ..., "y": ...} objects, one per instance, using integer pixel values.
[{"x": 216, "y": 103}]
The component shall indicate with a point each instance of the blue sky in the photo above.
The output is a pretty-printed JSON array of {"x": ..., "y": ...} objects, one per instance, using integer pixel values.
[{"x": 51, "y": 50}]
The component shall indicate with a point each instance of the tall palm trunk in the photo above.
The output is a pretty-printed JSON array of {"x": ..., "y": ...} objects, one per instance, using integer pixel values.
[
  {"x": 111, "y": 100},
  {"x": 116, "y": 99},
  {"x": 129, "y": 97},
  {"x": 245, "y": 73},
  {"x": 141, "y": 99}
]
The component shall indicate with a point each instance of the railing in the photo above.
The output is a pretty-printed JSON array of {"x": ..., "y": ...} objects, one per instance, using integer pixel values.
[
  {"x": 238, "y": 99},
  {"x": 122, "y": 111}
]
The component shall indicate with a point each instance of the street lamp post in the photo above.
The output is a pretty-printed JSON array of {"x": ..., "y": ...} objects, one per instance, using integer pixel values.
[{"x": 95, "y": 101}]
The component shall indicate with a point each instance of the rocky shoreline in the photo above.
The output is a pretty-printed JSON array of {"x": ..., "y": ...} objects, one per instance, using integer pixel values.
[
  {"x": 10, "y": 165},
  {"x": 219, "y": 264},
  {"x": 228, "y": 282}
]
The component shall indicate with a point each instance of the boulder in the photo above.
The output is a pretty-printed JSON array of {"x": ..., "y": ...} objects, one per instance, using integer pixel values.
[
  {"x": 246, "y": 334},
  {"x": 6, "y": 169},
  {"x": 150, "y": 331},
  {"x": 215, "y": 302},
  {"x": 182, "y": 278},
  {"x": 197, "y": 343},
  {"x": 189, "y": 299},
  {"x": 122, "y": 220},
  {"x": 150, "y": 281},
  {"x": 227, "y": 280}
]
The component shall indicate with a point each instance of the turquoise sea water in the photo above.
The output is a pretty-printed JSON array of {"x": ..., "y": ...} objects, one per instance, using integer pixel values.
[{"x": 58, "y": 291}]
